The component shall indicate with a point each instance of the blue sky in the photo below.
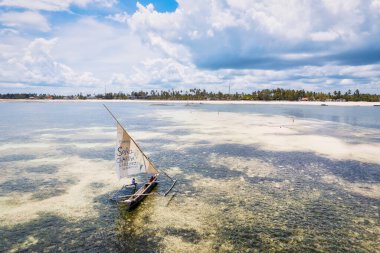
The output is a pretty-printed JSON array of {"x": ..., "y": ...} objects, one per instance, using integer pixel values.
[{"x": 72, "y": 46}]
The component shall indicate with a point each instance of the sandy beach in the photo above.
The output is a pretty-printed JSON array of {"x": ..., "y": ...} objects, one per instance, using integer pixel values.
[{"x": 238, "y": 102}]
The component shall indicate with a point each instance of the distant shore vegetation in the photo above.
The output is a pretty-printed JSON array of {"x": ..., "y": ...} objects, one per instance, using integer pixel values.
[{"x": 202, "y": 94}]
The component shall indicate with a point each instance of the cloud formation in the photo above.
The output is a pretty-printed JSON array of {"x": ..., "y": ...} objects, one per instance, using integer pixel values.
[
  {"x": 54, "y": 5},
  {"x": 315, "y": 45},
  {"x": 37, "y": 67},
  {"x": 260, "y": 34},
  {"x": 25, "y": 20}
]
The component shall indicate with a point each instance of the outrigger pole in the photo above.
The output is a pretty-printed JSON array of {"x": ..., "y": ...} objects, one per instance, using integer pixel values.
[{"x": 173, "y": 180}]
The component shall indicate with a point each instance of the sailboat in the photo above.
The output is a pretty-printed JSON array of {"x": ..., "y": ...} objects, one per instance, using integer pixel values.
[{"x": 131, "y": 160}]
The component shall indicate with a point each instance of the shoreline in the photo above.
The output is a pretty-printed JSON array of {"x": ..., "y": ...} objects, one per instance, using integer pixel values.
[{"x": 220, "y": 102}]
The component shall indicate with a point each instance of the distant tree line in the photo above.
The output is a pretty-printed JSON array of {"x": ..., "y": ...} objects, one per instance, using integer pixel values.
[{"x": 202, "y": 94}]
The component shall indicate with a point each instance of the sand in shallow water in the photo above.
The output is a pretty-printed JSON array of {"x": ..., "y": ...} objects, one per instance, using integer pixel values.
[{"x": 245, "y": 182}]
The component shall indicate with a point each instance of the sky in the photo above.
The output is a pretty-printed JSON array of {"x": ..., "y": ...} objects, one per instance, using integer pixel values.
[{"x": 93, "y": 46}]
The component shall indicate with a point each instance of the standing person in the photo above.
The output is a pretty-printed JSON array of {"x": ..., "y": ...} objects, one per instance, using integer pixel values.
[{"x": 134, "y": 182}]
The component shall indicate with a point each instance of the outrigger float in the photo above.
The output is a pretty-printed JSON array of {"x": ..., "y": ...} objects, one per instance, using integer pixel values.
[{"x": 131, "y": 160}]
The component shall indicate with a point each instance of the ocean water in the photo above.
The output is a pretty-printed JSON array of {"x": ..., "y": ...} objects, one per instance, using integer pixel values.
[
  {"x": 362, "y": 116},
  {"x": 251, "y": 178}
]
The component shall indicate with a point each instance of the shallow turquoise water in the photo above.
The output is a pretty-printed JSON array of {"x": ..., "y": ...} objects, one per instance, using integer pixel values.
[{"x": 292, "y": 208}]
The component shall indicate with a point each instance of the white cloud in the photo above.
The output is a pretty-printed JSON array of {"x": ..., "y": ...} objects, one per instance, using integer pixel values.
[
  {"x": 347, "y": 82},
  {"x": 86, "y": 53},
  {"x": 119, "y": 17},
  {"x": 339, "y": 6},
  {"x": 324, "y": 36},
  {"x": 8, "y": 32},
  {"x": 230, "y": 33},
  {"x": 13, "y": 85},
  {"x": 89, "y": 45},
  {"x": 376, "y": 5},
  {"x": 46, "y": 5},
  {"x": 173, "y": 50},
  {"x": 168, "y": 73},
  {"x": 25, "y": 20},
  {"x": 38, "y": 65},
  {"x": 54, "y": 5},
  {"x": 203, "y": 43},
  {"x": 35, "y": 65}
]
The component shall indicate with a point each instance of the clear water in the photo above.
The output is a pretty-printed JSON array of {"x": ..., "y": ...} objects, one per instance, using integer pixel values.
[
  {"x": 361, "y": 116},
  {"x": 216, "y": 208}
]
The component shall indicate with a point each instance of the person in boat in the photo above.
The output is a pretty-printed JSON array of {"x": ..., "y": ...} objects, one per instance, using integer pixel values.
[
  {"x": 134, "y": 182},
  {"x": 151, "y": 179}
]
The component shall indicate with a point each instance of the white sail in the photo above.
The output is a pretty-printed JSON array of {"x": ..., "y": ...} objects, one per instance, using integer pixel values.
[{"x": 130, "y": 160}]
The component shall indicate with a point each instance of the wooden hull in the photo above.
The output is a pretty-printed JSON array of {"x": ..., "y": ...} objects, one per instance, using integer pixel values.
[{"x": 139, "y": 195}]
